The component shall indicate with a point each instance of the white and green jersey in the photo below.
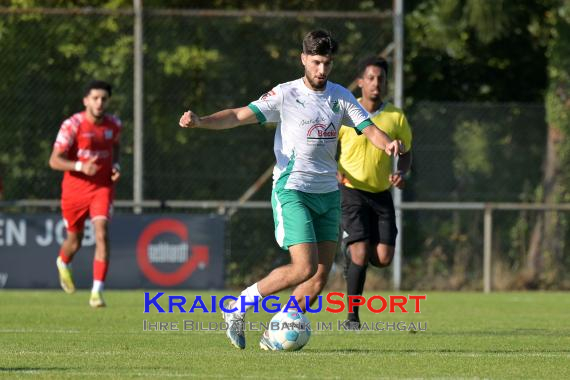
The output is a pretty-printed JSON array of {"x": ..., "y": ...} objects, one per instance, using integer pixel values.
[{"x": 307, "y": 132}]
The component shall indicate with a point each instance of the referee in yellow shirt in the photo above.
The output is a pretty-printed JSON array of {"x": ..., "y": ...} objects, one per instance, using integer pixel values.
[{"x": 365, "y": 174}]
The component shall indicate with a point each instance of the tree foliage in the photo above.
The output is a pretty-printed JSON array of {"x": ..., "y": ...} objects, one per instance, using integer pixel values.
[
  {"x": 476, "y": 50},
  {"x": 525, "y": 45},
  {"x": 546, "y": 254}
]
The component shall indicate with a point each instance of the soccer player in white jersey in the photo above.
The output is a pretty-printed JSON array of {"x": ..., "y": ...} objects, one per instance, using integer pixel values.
[{"x": 306, "y": 202}]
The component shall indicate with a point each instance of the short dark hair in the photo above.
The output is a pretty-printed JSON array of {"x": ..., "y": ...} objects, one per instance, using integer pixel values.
[
  {"x": 319, "y": 42},
  {"x": 97, "y": 85},
  {"x": 372, "y": 61}
]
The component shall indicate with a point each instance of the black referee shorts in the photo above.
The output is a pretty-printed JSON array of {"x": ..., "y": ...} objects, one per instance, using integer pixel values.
[{"x": 368, "y": 216}]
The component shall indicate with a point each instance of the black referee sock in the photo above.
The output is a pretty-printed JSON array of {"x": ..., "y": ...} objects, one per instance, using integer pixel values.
[{"x": 355, "y": 279}]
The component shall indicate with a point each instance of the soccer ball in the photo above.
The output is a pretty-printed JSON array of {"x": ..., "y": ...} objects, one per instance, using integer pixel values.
[{"x": 289, "y": 331}]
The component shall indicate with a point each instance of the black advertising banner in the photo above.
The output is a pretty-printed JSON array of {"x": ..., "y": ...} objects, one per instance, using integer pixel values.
[{"x": 147, "y": 251}]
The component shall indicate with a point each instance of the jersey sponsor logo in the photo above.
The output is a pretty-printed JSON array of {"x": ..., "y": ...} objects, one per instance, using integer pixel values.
[
  {"x": 268, "y": 94},
  {"x": 320, "y": 134},
  {"x": 87, "y": 135},
  {"x": 316, "y": 120}
]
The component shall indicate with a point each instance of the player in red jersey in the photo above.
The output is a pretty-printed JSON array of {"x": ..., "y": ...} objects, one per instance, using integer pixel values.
[{"x": 87, "y": 151}]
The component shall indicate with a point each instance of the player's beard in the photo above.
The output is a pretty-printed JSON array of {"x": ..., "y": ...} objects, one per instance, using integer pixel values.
[
  {"x": 317, "y": 85},
  {"x": 375, "y": 97},
  {"x": 97, "y": 115}
]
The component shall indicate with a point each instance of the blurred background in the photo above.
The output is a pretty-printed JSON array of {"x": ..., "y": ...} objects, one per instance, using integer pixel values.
[{"x": 485, "y": 89}]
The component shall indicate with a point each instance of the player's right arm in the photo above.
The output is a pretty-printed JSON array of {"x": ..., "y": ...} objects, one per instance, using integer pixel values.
[
  {"x": 66, "y": 138},
  {"x": 59, "y": 161},
  {"x": 228, "y": 118}
]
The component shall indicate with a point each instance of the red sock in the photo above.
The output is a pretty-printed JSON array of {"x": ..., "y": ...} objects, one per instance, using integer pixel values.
[
  {"x": 66, "y": 259},
  {"x": 100, "y": 270}
]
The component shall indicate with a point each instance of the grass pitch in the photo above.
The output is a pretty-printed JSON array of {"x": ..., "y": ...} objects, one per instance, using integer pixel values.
[{"x": 48, "y": 334}]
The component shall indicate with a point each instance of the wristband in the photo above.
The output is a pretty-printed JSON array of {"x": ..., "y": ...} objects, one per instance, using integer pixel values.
[
  {"x": 117, "y": 167},
  {"x": 78, "y": 166}
]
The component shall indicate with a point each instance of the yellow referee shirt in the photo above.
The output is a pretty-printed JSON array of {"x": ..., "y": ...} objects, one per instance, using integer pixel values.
[{"x": 365, "y": 166}]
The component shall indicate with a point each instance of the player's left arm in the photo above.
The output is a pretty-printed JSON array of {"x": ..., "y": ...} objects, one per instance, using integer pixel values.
[
  {"x": 382, "y": 141},
  {"x": 357, "y": 117},
  {"x": 398, "y": 178},
  {"x": 116, "y": 170}
]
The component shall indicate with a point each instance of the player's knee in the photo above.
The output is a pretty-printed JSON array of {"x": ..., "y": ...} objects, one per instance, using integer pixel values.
[
  {"x": 359, "y": 254},
  {"x": 359, "y": 260},
  {"x": 73, "y": 242},
  {"x": 309, "y": 272},
  {"x": 303, "y": 273},
  {"x": 319, "y": 282},
  {"x": 75, "y": 245},
  {"x": 385, "y": 261},
  {"x": 385, "y": 254}
]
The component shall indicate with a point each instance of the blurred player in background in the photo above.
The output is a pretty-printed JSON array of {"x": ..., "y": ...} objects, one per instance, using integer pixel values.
[
  {"x": 305, "y": 198},
  {"x": 365, "y": 174},
  {"x": 87, "y": 150}
]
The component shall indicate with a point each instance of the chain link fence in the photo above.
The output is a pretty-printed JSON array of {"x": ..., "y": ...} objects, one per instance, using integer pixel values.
[
  {"x": 191, "y": 60},
  {"x": 480, "y": 153},
  {"x": 47, "y": 61},
  {"x": 469, "y": 152}
]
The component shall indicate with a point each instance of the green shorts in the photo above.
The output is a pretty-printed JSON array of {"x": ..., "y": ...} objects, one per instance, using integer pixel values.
[{"x": 301, "y": 217}]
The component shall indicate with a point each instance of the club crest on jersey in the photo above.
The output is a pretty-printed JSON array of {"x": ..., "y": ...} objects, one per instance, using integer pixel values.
[
  {"x": 335, "y": 107},
  {"x": 320, "y": 134},
  {"x": 108, "y": 134}
]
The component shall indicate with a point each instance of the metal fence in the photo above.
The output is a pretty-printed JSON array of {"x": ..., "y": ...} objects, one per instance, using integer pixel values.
[{"x": 446, "y": 245}]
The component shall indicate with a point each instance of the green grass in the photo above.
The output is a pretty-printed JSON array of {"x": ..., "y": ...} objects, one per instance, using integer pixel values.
[{"x": 48, "y": 334}]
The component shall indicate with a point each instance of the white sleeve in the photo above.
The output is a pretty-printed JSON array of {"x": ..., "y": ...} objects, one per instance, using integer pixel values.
[
  {"x": 268, "y": 107},
  {"x": 353, "y": 114}
]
